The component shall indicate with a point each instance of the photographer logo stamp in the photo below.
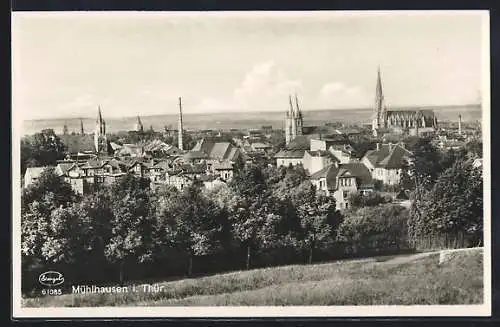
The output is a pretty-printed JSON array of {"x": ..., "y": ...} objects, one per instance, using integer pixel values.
[{"x": 51, "y": 278}]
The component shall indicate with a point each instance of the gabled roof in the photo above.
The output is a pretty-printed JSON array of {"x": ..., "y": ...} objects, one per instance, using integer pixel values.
[
  {"x": 300, "y": 142},
  {"x": 63, "y": 167},
  {"x": 388, "y": 156},
  {"x": 114, "y": 163},
  {"x": 233, "y": 153},
  {"x": 260, "y": 145},
  {"x": 78, "y": 143},
  {"x": 161, "y": 164},
  {"x": 194, "y": 154},
  {"x": 290, "y": 154},
  {"x": 93, "y": 164},
  {"x": 395, "y": 159},
  {"x": 375, "y": 156},
  {"x": 330, "y": 170},
  {"x": 360, "y": 171},
  {"x": 224, "y": 165},
  {"x": 333, "y": 171},
  {"x": 115, "y": 146},
  {"x": 130, "y": 149},
  {"x": 219, "y": 150}
]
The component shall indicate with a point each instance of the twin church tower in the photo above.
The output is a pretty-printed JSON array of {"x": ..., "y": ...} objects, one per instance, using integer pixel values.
[{"x": 294, "y": 122}]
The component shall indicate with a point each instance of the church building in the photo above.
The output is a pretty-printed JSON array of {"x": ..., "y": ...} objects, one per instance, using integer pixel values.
[
  {"x": 293, "y": 121},
  {"x": 411, "y": 121},
  {"x": 100, "y": 138}
]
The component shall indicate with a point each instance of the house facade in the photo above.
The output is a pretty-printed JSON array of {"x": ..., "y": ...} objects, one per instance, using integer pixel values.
[
  {"x": 386, "y": 162},
  {"x": 342, "y": 180}
]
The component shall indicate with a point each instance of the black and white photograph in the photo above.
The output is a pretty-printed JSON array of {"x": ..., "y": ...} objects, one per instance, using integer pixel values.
[{"x": 253, "y": 163}]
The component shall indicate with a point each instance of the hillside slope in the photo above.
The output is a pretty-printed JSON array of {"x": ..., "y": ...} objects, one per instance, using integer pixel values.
[{"x": 396, "y": 280}]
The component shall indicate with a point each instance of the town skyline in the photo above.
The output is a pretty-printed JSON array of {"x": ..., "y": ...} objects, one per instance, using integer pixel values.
[{"x": 66, "y": 64}]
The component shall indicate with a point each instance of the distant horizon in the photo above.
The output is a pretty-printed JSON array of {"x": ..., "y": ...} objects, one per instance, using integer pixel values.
[
  {"x": 65, "y": 64},
  {"x": 412, "y": 107}
]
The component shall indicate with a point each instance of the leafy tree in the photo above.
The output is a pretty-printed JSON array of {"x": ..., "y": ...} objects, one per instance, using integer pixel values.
[
  {"x": 132, "y": 223},
  {"x": 200, "y": 225},
  {"x": 70, "y": 235},
  {"x": 277, "y": 140},
  {"x": 48, "y": 182},
  {"x": 318, "y": 216},
  {"x": 41, "y": 149},
  {"x": 375, "y": 228},
  {"x": 358, "y": 200},
  {"x": 35, "y": 224},
  {"x": 425, "y": 164},
  {"x": 453, "y": 206},
  {"x": 475, "y": 147}
]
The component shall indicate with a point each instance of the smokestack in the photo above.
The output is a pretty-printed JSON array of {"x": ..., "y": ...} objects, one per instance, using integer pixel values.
[
  {"x": 460, "y": 124},
  {"x": 180, "y": 125}
]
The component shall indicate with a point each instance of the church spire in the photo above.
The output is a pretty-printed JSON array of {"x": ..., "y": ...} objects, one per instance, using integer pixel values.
[
  {"x": 82, "y": 131},
  {"x": 139, "y": 127},
  {"x": 379, "y": 120},
  {"x": 99, "y": 114},
  {"x": 299, "y": 113},
  {"x": 291, "y": 111},
  {"x": 379, "y": 93}
]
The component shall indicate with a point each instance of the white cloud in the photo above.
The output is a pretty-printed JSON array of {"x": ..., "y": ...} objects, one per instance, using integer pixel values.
[
  {"x": 339, "y": 95},
  {"x": 264, "y": 87}
]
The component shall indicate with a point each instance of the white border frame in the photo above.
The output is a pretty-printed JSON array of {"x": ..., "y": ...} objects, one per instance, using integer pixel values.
[{"x": 264, "y": 311}]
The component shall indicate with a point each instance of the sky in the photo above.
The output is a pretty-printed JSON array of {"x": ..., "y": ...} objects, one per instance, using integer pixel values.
[{"x": 138, "y": 63}]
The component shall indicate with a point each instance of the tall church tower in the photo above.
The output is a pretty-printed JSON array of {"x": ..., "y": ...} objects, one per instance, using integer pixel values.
[
  {"x": 289, "y": 130},
  {"x": 82, "y": 131},
  {"x": 299, "y": 121},
  {"x": 138, "y": 125},
  {"x": 100, "y": 138},
  {"x": 181, "y": 127},
  {"x": 379, "y": 111},
  {"x": 293, "y": 120}
]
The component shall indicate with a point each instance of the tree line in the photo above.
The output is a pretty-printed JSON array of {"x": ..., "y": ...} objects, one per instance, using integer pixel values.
[{"x": 265, "y": 216}]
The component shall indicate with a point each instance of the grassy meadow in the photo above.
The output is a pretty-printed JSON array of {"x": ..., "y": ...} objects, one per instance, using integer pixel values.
[{"x": 392, "y": 280}]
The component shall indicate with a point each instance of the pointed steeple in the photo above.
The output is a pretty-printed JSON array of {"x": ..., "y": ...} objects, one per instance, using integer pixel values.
[
  {"x": 299, "y": 113},
  {"x": 99, "y": 114},
  {"x": 291, "y": 111},
  {"x": 379, "y": 115},
  {"x": 378, "y": 92},
  {"x": 181, "y": 127},
  {"x": 139, "y": 127},
  {"x": 82, "y": 131}
]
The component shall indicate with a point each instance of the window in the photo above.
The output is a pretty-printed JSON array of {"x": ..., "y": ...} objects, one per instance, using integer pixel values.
[
  {"x": 346, "y": 194},
  {"x": 347, "y": 205}
]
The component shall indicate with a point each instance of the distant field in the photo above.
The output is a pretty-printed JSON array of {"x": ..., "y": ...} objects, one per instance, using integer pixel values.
[
  {"x": 241, "y": 120},
  {"x": 395, "y": 280}
]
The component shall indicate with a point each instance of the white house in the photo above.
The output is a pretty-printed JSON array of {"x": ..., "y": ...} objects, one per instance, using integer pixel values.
[
  {"x": 341, "y": 180},
  {"x": 386, "y": 162},
  {"x": 32, "y": 174}
]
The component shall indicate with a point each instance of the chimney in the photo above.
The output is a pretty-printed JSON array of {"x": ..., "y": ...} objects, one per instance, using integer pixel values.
[
  {"x": 180, "y": 125},
  {"x": 378, "y": 146},
  {"x": 460, "y": 124}
]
